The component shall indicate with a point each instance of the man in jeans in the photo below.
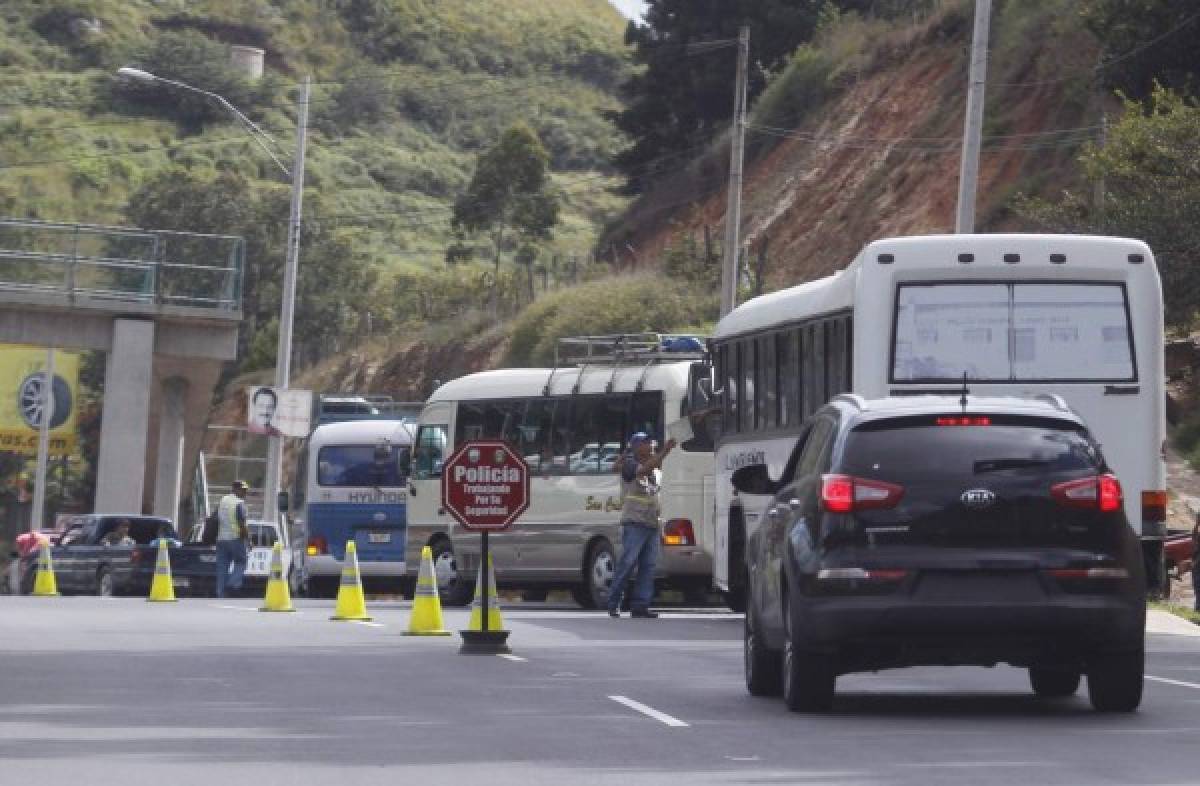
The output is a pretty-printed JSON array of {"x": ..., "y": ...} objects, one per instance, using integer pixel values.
[
  {"x": 232, "y": 537},
  {"x": 1196, "y": 562},
  {"x": 639, "y": 524}
]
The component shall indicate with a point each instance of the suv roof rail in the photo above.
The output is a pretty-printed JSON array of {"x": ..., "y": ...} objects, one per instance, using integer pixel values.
[
  {"x": 857, "y": 401},
  {"x": 1054, "y": 400}
]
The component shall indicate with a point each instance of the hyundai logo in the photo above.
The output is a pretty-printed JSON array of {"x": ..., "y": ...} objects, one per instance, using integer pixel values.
[{"x": 978, "y": 498}]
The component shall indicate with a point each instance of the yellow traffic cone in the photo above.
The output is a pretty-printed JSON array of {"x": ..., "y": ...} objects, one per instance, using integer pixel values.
[
  {"x": 351, "y": 605},
  {"x": 278, "y": 598},
  {"x": 493, "y": 619},
  {"x": 162, "y": 590},
  {"x": 44, "y": 584},
  {"x": 426, "y": 619}
]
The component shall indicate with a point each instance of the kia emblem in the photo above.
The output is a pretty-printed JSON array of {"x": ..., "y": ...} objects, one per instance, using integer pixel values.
[{"x": 978, "y": 499}]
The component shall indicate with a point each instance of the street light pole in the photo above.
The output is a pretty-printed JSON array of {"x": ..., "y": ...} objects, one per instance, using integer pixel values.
[{"x": 283, "y": 355}]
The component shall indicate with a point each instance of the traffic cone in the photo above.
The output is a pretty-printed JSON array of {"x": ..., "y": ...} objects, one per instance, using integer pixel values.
[
  {"x": 493, "y": 619},
  {"x": 278, "y": 598},
  {"x": 426, "y": 619},
  {"x": 44, "y": 584},
  {"x": 162, "y": 589},
  {"x": 351, "y": 605}
]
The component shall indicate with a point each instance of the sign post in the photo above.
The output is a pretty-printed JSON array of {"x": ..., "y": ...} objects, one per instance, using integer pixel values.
[{"x": 485, "y": 486}]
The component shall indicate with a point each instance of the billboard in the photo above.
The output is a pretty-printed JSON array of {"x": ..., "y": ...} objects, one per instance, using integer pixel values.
[
  {"x": 277, "y": 412},
  {"x": 22, "y": 377}
]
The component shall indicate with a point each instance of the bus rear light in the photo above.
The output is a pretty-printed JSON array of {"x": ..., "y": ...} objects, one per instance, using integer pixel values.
[
  {"x": 317, "y": 545},
  {"x": 860, "y": 574},
  {"x": 846, "y": 494},
  {"x": 679, "y": 532},
  {"x": 1102, "y": 492},
  {"x": 1154, "y": 505}
]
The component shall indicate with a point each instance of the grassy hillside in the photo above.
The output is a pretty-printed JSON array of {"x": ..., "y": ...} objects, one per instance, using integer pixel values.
[{"x": 406, "y": 92}]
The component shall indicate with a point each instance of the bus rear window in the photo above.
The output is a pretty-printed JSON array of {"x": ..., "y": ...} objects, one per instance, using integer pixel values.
[
  {"x": 1020, "y": 332},
  {"x": 362, "y": 465}
]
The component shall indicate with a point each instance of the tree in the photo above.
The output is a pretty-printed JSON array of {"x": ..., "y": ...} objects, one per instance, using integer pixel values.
[
  {"x": 509, "y": 191},
  {"x": 1139, "y": 32},
  {"x": 334, "y": 287},
  {"x": 1149, "y": 171}
]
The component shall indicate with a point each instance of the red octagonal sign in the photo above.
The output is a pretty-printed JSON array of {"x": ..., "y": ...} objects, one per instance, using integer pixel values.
[{"x": 485, "y": 485}]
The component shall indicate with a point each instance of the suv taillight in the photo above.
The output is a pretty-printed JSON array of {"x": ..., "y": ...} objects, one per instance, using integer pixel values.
[
  {"x": 846, "y": 494},
  {"x": 678, "y": 532},
  {"x": 1100, "y": 492},
  {"x": 317, "y": 545}
]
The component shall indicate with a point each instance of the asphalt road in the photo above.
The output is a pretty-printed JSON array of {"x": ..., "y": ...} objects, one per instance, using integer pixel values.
[{"x": 118, "y": 691}]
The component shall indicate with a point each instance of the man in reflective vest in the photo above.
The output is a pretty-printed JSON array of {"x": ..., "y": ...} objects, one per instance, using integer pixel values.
[
  {"x": 232, "y": 539},
  {"x": 639, "y": 524}
]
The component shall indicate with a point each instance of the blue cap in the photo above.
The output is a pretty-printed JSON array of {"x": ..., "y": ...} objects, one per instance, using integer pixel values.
[{"x": 638, "y": 438}]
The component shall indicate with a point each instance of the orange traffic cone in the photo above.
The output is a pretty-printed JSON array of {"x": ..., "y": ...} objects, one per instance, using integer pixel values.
[{"x": 351, "y": 605}]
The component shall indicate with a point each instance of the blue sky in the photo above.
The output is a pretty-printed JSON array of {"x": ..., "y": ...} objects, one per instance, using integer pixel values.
[{"x": 630, "y": 8}]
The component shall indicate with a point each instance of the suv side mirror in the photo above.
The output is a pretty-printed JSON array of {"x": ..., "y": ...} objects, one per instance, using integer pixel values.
[
  {"x": 283, "y": 502},
  {"x": 754, "y": 479}
]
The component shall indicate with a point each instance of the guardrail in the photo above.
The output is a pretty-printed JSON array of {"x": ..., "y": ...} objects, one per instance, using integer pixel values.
[{"x": 119, "y": 264}]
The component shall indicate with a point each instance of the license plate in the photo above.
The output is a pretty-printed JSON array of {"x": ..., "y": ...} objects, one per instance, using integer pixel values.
[
  {"x": 178, "y": 582},
  {"x": 380, "y": 537}
]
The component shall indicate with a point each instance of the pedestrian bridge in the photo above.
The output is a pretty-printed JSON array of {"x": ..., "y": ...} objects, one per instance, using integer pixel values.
[{"x": 165, "y": 307}]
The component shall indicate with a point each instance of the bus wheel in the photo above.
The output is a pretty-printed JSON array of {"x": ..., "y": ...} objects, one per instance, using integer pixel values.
[
  {"x": 453, "y": 589},
  {"x": 598, "y": 571}
]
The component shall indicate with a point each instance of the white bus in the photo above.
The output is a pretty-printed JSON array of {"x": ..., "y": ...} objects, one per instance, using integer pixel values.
[
  {"x": 570, "y": 423},
  {"x": 1010, "y": 314},
  {"x": 351, "y": 485}
]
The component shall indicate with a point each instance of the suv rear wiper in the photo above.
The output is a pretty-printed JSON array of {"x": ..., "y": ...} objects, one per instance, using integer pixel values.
[{"x": 993, "y": 465}]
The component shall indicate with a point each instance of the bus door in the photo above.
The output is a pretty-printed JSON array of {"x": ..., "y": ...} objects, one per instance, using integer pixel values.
[{"x": 426, "y": 516}]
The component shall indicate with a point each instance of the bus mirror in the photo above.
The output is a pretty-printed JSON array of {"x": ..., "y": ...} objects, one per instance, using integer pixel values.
[
  {"x": 437, "y": 468},
  {"x": 754, "y": 479},
  {"x": 282, "y": 502}
]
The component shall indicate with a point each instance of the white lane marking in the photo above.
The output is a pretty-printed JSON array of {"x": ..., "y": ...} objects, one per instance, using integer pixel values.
[
  {"x": 508, "y": 656},
  {"x": 1180, "y": 683},
  {"x": 368, "y": 623},
  {"x": 234, "y": 608},
  {"x": 662, "y": 717}
]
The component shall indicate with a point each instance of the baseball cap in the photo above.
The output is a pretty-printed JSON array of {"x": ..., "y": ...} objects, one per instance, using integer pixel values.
[
  {"x": 638, "y": 438},
  {"x": 239, "y": 485}
]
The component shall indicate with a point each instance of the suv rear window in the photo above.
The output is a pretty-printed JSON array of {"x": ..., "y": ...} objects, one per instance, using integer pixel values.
[{"x": 1016, "y": 459}]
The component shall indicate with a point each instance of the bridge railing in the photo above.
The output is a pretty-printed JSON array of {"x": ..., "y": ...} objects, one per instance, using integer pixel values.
[{"x": 87, "y": 261}]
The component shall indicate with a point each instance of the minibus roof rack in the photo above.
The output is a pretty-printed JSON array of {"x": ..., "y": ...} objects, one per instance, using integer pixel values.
[{"x": 622, "y": 348}]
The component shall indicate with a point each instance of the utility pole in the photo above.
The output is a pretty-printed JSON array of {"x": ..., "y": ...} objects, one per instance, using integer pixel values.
[
  {"x": 283, "y": 356},
  {"x": 968, "y": 177},
  {"x": 733, "y": 210},
  {"x": 43, "y": 456}
]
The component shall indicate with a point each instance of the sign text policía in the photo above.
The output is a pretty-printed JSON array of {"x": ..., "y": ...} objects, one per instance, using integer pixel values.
[{"x": 488, "y": 487}]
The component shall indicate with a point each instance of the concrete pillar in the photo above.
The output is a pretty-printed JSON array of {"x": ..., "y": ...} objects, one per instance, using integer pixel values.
[
  {"x": 121, "y": 475},
  {"x": 168, "y": 475}
]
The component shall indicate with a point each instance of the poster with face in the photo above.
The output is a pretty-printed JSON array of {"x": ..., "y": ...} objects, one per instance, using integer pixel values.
[{"x": 278, "y": 412}]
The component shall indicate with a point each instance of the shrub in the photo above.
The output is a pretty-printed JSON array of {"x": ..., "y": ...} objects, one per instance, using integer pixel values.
[{"x": 625, "y": 305}]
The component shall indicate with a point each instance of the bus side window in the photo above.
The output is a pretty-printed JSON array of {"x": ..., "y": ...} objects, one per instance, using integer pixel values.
[{"x": 431, "y": 446}]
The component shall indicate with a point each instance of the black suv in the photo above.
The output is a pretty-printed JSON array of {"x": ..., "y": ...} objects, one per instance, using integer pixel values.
[{"x": 935, "y": 530}]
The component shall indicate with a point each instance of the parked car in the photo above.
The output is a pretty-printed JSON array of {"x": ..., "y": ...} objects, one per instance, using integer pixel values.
[
  {"x": 87, "y": 562},
  {"x": 928, "y": 531}
]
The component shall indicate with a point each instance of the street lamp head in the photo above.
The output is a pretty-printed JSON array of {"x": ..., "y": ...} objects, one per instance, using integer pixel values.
[{"x": 137, "y": 74}]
